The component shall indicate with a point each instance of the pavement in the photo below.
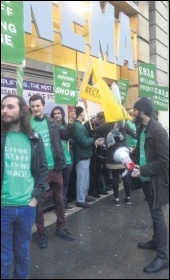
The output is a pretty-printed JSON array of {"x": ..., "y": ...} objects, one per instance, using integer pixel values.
[{"x": 105, "y": 245}]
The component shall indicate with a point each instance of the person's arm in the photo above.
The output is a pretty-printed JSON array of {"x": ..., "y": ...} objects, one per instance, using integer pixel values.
[
  {"x": 41, "y": 177},
  {"x": 82, "y": 138},
  {"x": 67, "y": 132},
  {"x": 130, "y": 131},
  {"x": 161, "y": 162}
]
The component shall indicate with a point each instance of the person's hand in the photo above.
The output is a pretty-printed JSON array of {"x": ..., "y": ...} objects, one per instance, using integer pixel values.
[
  {"x": 33, "y": 202},
  {"x": 131, "y": 150},
  {"x": 99, "y": 142},
  {"x": 137, "y": 173}
]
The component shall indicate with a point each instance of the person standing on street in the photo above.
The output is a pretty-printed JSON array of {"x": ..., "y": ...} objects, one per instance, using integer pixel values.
[
  {"x": 24, "y": 175},
  {"x": 82, "y": 151},
  {"x": 58, "y": 114},
  {"x": 51, "y": 133},
  {"x": 152, "y": 158}
]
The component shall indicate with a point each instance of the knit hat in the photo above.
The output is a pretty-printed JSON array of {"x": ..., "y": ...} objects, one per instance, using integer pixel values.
[
  {"x": 144, "y": 104},
  {"x": 79, "y": 110}
]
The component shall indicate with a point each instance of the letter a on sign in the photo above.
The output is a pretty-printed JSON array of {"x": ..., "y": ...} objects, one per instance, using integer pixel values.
[
  {"x": 89, "y": 88},
  {"x": 102, "y": 94}
]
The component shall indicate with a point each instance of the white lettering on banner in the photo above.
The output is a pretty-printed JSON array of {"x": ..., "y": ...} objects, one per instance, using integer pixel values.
[
  {"x": 147, "y": 81},
  {"x": 150, "y": 89},
  {"x": 6, "y": 38},
  {"x": 64, "y": 84},
  {"x": 159, "y": 103},
  {"x": 101, "y": 29},
  {"x": 8, "y": 27},
  {"x": 65, "y": 78},
  {"x": 65, "y": 91}
]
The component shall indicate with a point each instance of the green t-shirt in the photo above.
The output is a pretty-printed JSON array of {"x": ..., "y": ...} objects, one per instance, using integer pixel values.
[
  {"x": 131, "y": 142},
  {"x": 65, "y": 145},
  {"x": 18, "y": 182},
  {"x": 142, "y": 154},
  {"x": 66, "y": 152},
  {"x": 41, "y": 127}
]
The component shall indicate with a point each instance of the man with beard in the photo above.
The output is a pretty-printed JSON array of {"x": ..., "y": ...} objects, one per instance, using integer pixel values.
[
  {"x": 152, "y": 157},
  {"x": 24, "y": 175}
]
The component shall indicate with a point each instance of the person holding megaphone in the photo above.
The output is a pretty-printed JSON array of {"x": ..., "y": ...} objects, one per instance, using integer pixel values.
[{"x": 117, "y": 156}]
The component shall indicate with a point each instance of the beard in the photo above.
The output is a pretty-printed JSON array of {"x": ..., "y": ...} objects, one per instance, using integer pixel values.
[
  {"x": 11, "y": 122},
  {"x": 138, "y": 119}
]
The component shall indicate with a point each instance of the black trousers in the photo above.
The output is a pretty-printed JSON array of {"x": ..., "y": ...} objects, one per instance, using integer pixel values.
[
  {"x": 159, "y": 225},
  {"x": 115, "y": 182}
]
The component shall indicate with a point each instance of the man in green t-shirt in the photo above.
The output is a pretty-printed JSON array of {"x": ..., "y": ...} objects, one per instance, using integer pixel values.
[
  {"x": 51, "y": 133},
  {"x": 24, "y": 175},
  {"x": 152, "y": 156}
]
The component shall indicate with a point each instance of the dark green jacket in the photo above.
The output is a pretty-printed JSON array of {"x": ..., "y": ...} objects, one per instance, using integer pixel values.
[
  {"x": 157, "y": 158},
  {"x": 83, "y": 143}
]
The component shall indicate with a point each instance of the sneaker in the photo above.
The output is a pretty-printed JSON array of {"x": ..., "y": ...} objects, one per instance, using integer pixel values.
[
  {"x": 95, "y": 194},
  {"x": 127, "y": 201},
  {"x": 116, "y": 203},
  {"x": 90, "y": 199},
  {"x": 102, "y": 192},
  {"x": 151, "y": 244},
  {"x": 65, "y": 214},
  {"x": 42, "y": 241},
  {"x": 83, "y": 205},
  {"x": 63, "y": 233},
  {"x": 69, "y": 208}
]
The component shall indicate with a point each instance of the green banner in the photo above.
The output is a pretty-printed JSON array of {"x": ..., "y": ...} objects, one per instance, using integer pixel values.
[
  {"x": 147, "y": 74},
  {"x": 161, "y": 98},
  {"x": 65, "y": 86},
  {"x": 12, "y": 33},
  {"x": 123, "y": 85},
  {"x": 20, "y": 73}
]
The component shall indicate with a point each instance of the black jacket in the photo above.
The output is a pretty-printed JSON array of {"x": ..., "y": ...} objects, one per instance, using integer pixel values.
[
  {"x": 157, "y": 158},
  {"x": 39, "y": 169},
  {"x": 57, "y": 133},
  {"x": 103, "y": 130}
]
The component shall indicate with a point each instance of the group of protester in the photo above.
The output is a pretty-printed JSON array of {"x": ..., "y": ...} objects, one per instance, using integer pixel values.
[{"x": 38, "y": 153}]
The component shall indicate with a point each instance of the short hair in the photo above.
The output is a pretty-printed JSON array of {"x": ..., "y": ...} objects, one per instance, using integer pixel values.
[
  {"x": 100, "y": 115},
  {"x": 79, "y": 110},
  {"x": 37, "y": 97}
]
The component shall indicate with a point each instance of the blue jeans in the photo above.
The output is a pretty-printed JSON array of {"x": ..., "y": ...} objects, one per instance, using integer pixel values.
[
  {"x": 66, "y": 176},
  {"x": 16, "y": 233},
  {"x": 83, "y": 177}
]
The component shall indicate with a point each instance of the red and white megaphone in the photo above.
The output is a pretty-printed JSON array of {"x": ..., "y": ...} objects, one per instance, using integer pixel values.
[{"x": 122, "y": 155}]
